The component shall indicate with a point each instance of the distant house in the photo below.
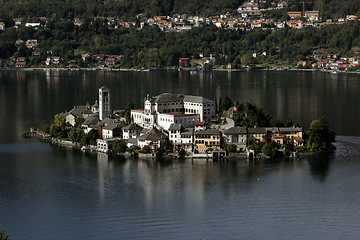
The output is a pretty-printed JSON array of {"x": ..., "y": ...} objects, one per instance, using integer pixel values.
[
  {"x": 351, "y": 17},
  {"x": 2, "y": 26},
  {"x": 294, "y": 15},
  {"x": 20, "y": 62},
  {"x": 250, "y": 8},
  {"x": 184, "y": 62},
  {"x": 159, "y": 18},
  {"x": 302, "y": 63},
  {"x": 42, "y": 19},
  {"x": 17, "y": 22},
  {"x": 312, "y": 15},
  {"x": 52, "y": 60},
  {"x": 78, "y": 22},
  {"x": 298, "y": 141},
  {"x": 33, "y": 25},
  {"x": 31, "y": 43},
  {"x": 110, "y": 60}
]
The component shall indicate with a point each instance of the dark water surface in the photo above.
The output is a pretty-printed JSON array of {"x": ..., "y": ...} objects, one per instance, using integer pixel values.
[{"x": 49, "y": 192}]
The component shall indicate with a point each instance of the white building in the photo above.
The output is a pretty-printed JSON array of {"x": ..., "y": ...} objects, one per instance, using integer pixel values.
[{"x": 167, "y": 108}]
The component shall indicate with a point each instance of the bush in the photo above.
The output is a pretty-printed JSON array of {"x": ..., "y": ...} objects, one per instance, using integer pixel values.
[
  {"x": 231, "y": 148},
  {"x": 146, "y": 149},
  {"x": 269, "y": 149},
  {"x": 3, "y": 235},
  {"x": 119, "y": 146}
]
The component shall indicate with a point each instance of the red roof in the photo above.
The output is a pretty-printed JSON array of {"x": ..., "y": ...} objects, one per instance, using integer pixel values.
[
  {"x": 299, "y": 139},
  {"x": 200, "y": 124}
]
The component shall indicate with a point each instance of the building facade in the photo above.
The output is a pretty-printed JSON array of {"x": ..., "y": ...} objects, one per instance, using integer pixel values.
[{"x": 167, "y": 108}]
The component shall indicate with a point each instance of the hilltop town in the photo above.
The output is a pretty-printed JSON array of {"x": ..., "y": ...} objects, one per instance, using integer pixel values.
[
  {"x": 27, "y": 50},
  {"x": 176, "y": 124}
]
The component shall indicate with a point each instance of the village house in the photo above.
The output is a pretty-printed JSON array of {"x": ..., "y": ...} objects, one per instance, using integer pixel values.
[
  {"x": 351, "y": 17},
  {"x": 258, "y": 133},
  {"x": 2, "y": 26},
  {"x": 31, "y": 43},
  {"x": 294, "y": 15},
  {"x": 184, "y": 62},
  {"x": 91, "y": 122},
  {"x": 33, "y": 25},
  {"x": 20, "y": 62},
  {"x": 207, "y": 139},
  {"x": 181, "y": 138},
  {"x": 52, "y": 60},
  {"x": 131, "y": 131},
  {"x": 81, "y": 111},
  {"x": 153, "y": 138},
  {"x": 250, "y": 8},
  {"x": 312, "y": 15},
  {"x": 112, "y": 130},
  {"x": 17, "y": 22},
  {"x": 104, "y": 145},
  {"x": 237, "y": 136}
]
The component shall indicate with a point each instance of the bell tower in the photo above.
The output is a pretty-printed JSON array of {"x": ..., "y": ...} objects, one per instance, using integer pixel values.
[{"x": 104, "y": 102}]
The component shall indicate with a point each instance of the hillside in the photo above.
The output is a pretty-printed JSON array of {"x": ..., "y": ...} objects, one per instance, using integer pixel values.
[{"x": 129, "y": 9}]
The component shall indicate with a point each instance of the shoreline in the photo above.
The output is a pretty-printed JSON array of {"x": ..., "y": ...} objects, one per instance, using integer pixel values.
[{"x": 279, "y": 69}]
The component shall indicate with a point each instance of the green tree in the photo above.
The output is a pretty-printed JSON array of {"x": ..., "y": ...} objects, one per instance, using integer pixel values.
[
  {"x": 225, "y": 104},
  {"x": 320, "y": 137},
  {"x": 58, "y": 127},
  {"x": 76, "y": 134},
  {"x": 146, "y": 149},
  {"x": 128, "y": 109},
  {"x": 3, "y": 235},
  {"x": 119, "y": 146},
  {"x": 269, "y": 149},
  {"x": 231, "y": 148},
  {"x": 92, "y": 136}
]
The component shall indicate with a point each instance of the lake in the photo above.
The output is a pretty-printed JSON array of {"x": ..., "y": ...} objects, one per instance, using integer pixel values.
[{"x": 50, "y": 192}]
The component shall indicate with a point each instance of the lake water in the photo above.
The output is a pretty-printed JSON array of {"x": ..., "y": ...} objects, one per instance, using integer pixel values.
[{"x": 49, "y": 192}]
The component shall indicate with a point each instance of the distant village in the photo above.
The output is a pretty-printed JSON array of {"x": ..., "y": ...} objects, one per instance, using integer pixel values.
[
  {"x": 184, "y": 122},
  {"x": 249, "y": 17}
]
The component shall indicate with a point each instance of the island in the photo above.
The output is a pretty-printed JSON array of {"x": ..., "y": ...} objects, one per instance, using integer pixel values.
[{"x": 181, "y": 125}]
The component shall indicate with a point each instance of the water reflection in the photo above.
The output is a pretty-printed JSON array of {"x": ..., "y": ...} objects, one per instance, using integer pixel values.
[{"x": 320, "y": 166}]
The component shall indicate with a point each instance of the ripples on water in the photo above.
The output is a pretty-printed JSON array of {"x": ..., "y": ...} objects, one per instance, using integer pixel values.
[{"x": 55, "y": 193}]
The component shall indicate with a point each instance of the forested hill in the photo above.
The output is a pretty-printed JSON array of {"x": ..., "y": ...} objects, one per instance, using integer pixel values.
[{"x": 130, "y": 8}]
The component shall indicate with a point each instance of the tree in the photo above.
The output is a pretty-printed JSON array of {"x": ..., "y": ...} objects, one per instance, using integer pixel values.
[
  {"x": 76, "y": 134},
  {"x": 92, "y": 135},
  {"x": 225, "y": 104},
  {"x": 58, "y": 127},
  {"x": 320, "y": 137},
  {"x": 245, "y": 59},
  {"x": 128, "y": 109},
  {"x": 146, "y": 149},
  {"x": 119, "y": 146},
  {"x": 231, "y": 148},
  {"x": 269, "y": 149},
  {"x": 3, "y": 235}
]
